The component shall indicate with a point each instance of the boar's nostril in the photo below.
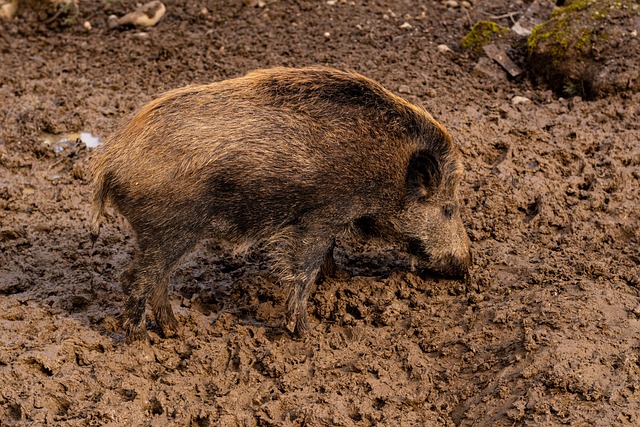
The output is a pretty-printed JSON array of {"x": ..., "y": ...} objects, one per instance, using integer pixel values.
[{"x": 449, "y": 210}]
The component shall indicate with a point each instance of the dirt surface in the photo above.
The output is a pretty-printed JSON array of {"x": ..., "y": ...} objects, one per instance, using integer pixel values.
[{"x": 546, "y": 333}]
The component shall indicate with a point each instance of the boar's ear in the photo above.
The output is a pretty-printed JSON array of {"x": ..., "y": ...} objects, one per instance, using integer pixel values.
[{"x": 424, "y": 174}]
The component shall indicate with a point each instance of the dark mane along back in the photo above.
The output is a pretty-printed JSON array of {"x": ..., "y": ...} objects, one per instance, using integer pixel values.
[{"x": 341, "y": 90}]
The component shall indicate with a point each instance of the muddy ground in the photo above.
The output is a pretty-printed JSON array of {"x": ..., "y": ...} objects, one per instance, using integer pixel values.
[{"x": 546, "y": 333}]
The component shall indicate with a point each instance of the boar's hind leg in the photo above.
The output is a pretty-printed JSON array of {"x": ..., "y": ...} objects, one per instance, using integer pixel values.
[
  {"x": 307, "y": 256},
  {"x": 147, "y": 278},
  {"x": 137, "y": 282}
]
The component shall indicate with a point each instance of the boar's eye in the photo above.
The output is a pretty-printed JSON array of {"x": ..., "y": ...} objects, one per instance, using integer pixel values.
[{"x": 448, "y": 210}]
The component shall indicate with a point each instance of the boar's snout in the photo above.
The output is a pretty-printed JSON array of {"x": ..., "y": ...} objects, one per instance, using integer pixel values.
[{"x": 455, "y": 265}]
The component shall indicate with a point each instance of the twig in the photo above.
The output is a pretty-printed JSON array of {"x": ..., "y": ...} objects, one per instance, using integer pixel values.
[{"x": 506, "y": 15}]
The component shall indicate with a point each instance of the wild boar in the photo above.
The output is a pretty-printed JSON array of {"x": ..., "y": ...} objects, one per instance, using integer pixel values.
[{"x": 288, "y": 158}]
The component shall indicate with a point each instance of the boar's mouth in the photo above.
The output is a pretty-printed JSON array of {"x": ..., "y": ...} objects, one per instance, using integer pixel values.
[
  {"x": 416, "y": 247},
  {"x": 448, "y": 266}
]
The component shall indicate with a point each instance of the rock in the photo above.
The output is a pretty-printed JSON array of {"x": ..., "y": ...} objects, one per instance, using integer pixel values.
[
  {"x": 466, "y": 5},
  {"x": 452, "y": 4},
  {"x": 8, "y": 8},
  {"x": 443, "y": 48},
  {"x": 587, "y": 48},
  {"x": 537, "y": 13},
  {"x": 404, "y": 89},
  {"x": 145, "y": 16},
  {"x": 406, "y": 25},
  {"x": 519, "y": 100},
  {"x": 87, "y": 25},
  {"x": 113, "y": 21},
  {"x": 327, "y": 35},
  {"x": 500, "y": 56}
]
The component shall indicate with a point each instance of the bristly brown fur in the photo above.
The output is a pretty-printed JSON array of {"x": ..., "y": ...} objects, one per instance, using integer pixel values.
[{"x": 288, "y": 156}]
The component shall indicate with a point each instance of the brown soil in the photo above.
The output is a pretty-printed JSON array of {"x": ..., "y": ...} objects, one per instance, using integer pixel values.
[{"x": 547, "y": 332}]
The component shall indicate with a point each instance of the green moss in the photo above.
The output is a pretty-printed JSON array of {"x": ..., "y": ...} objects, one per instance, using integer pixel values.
[
  {"x": 573, "y": 26},
  {"x": 483, "y": 33},
  {"x": 598, "y": 8},
  {"x": 572, "y": 7}
]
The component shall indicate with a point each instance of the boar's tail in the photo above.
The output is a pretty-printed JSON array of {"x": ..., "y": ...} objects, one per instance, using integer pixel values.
[{"x": 99, "y": 200}]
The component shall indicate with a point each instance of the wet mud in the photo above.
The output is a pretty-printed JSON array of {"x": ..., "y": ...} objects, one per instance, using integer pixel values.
[{"x": 546, "y": 332}]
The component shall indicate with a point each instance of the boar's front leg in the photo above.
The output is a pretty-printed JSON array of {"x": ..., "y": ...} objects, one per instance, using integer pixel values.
[
  {"x": 307, "y": 255},
  {"x": 329, "y": 268}
]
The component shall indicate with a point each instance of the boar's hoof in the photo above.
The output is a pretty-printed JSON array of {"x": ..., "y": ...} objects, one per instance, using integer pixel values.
[
  {"x": 137, "y": 333},
  {"x": 169, "y": 331},
  {"x": 166, "y": 320},
  {"x": 297, "y": 324}
]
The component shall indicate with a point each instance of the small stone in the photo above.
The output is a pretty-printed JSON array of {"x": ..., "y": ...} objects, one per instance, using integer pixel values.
[
  {"x": 87, "y": 25},
  {"x": 404, "y": 89},
  {"x": 385, "y": 17},
  {"x": 634, "y": 33},
  {"x": 443, "y": 48},
  {"x": 636, "y": 310},
  {"x": 452, "y": 4},
  {"x": 141, "y": 35},
  {"x": 204, "y": 11},
  {"x": 331, "y": 2},
  {"x": 113, "y": 21},
  {"x": 327, "y": 35},
  {"x": 519, "y": 100},
  {"x": 466, "y": 5},
  {"x": 406, "y": 25}
]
